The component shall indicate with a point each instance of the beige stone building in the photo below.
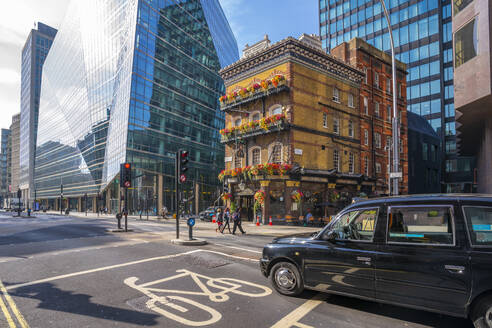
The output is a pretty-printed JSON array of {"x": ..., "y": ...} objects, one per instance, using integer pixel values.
[{"x": 292, "y": 128}]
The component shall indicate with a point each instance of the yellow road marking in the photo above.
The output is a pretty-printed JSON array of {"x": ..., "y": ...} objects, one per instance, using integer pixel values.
[
  {"x": 6, "y": 313},
  {"x": 292, "y": 319},
  {"x": 13, "y": 307}
]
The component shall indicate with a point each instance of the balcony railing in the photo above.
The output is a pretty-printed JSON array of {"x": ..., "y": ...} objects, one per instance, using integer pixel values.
[
  {"x": 257, "y": 130},
  {"x": 258, "y": 94}
]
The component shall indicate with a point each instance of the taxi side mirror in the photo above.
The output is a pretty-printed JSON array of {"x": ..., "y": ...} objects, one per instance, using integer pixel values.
[{"x": 330, "y": 236}]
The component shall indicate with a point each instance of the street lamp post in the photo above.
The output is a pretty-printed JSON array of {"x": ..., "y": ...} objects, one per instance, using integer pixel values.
[{"x": 395, "y": 124}]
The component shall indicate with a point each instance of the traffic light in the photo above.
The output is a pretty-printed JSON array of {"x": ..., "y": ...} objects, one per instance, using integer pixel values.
[
  {"x": 226, "y": 188},
  {"x": 125, "y": 175},
  {"x": 183, "y": 165}
]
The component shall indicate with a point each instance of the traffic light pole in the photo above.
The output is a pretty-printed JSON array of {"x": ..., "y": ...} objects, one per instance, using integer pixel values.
[
  {"x": 126, "y": 209},
  {"x": 176, "y": 198}
]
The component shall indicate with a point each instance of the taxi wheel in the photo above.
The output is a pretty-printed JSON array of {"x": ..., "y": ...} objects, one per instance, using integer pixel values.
[
  {"x": 286, "y": 279},
  {"x": 481, "y": 314}
]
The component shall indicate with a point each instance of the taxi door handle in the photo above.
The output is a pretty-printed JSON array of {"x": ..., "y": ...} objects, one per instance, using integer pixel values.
[
  {"x": 363, "y": 259},
  {"x": 455, "y": 268}
]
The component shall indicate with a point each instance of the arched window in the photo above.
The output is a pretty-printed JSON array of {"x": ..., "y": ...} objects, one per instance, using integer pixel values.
[
  {"x": 276, "y": 153},
  {"x": 255, "y": 116},
  {"x": 276, "y": 109},
  {"x": 237, "y": 121},
  {"x": 256, "y": 156}
]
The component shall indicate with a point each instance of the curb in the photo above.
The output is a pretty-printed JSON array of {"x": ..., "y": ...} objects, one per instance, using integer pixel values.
[{"x": 193, "y": 242}]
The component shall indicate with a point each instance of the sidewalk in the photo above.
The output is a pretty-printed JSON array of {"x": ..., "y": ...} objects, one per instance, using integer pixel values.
[{"x": 202, "y": 226}]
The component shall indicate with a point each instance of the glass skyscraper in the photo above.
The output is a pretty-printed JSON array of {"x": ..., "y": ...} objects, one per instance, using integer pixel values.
[
  {"x": 34, "y": 54},
  {"x": 422, "y": 33},
  {"x": 133, "y": 81}
]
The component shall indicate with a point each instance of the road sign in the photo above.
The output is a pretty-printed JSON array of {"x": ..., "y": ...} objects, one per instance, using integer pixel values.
[
  {"x": 191, "y": 222},
  {"x": 182, "y": 178},
  {"x": 396, "y": 175},
  {"x": 127, "y": 184}
]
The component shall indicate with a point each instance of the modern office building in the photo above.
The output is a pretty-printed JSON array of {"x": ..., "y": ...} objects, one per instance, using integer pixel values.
[
  {"x": 4, "y": 187},
  {"x": 133, "y": 81},
  {"x": 15, "y": 154},
  {"x": 424, "y": 144},
  {"x": 34, "y": 54},
  {"x": 473, "y": 85},
  {"x": 422, "y": 33}
]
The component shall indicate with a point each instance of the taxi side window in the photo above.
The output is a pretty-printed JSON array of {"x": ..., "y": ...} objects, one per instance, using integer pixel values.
[
  {"x": 479, "y": 223},
  {"x": 421, "y": 225},
  {"x": 356, "y": 225}
]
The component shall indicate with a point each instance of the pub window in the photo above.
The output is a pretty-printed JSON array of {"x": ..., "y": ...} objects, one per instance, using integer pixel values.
[
  {"x": 351, "y": 100},
  {"x": 256, "y": 156},
  {"x": 276, "y": 154},
  {"x": 237, "y": 160},
  {"x": 276, "y": 109},
  {"x": 336, "y": 125},
  {"x": 336, "y": 95},
  {"x": 255, "y": 116},
  {"x": 351, "y": 163},
  {"x": 237, "y": 122},
  {"x": 336, "y": 160}
]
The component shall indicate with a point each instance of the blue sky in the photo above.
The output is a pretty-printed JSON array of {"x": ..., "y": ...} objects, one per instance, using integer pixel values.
[{"x": 250, "y": 20}]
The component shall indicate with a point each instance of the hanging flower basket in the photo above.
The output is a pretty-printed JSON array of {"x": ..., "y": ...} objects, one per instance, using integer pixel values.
[
  {"x": 251, "y": 90},
  {"x": 297, "y": 196},
  {"x": 226, "y": 196},
  {"x": 251, "y": 171},
  {"x": 259, "y": 199}
]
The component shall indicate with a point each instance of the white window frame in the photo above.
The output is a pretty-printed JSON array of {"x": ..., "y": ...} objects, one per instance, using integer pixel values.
[
  {"x": 376, "y": 80},
  {"x": 351, "y": 129},
  {"x": 336, "y": 125},
  {"x": 251, "y": 155},
  {"x": 336, "y": 95},
  {"x": 274, "y": 108},
  {"x": 325, "y": 120},
  {"x": 388, "y": 85},
  {"x": 270, "y": 151},
  {"x": 336, "y": 163},
  {"x": 377, "y": 112},
  {"x": 378, "y": 168},
  {"x": 235, "y": 162},
  {"x": 377, "y": 140},
  {"x": 366, "y": 137},
  {"x": 253, "y": 114},
  {"x": 235, "y": 120},
  {"x": 351, "y": 163},
  {"x": 365, "y": 74},
  {"x": 366, "y": 166},
  {"x": 350, "y": 101},
  {"x": 366, "y": 105}
]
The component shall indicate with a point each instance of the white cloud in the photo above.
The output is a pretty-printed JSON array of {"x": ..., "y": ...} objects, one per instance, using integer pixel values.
[{"x": 9, "y": 76}]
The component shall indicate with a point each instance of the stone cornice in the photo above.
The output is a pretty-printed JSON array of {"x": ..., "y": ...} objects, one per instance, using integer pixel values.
[{"x": 291, "y": 49}]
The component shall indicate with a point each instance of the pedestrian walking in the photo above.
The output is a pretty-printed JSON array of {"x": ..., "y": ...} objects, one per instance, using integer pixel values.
[
  {"x": 308, "y": 217},
  {"x": 220, "y": 217},
  {"x": 237, "y": 221},
  {"x": 227, "y": 219}
]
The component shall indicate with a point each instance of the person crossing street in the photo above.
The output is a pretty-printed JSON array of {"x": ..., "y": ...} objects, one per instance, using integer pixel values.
[
  {"x": 236, "y": 217},
  {"x": 227, "y": 219}
]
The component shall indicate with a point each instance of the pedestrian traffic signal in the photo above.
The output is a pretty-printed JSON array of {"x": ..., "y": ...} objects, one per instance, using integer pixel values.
[
  {"x": 226, "y": 188},
  {"x": 183, "y": 165},
  {"x": 125, "y": 175}
]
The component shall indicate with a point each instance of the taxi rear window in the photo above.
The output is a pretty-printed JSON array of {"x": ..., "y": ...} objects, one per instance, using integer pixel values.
[
  {"x": 430, "y": 225},
  {"x": 479, "y": 222}
]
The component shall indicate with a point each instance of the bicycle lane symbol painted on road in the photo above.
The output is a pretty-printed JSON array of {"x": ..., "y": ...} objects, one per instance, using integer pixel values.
[{"x": 162, "y": 298}]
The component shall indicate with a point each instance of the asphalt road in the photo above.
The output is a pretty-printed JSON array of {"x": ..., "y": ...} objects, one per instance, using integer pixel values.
[{"x": 70, "y": 272}]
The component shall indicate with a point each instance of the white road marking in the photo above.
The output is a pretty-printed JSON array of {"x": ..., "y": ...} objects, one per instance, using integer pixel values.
[
  {"x": 224, "y": 285},
  {"x": 292, "y": 319},
  {"x": 240, "y": 248},
  {"x": 110, "y": 267}
]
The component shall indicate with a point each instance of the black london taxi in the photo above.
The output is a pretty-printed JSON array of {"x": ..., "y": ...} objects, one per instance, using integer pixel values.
[{"x": 428, "y": 252}]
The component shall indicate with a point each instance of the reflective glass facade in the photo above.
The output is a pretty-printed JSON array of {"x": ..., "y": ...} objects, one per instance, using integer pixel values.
[
  {"x": 422, "y": 33},
  {"x": 33, "y": 56},
  {"x": 133, "y": 81}
]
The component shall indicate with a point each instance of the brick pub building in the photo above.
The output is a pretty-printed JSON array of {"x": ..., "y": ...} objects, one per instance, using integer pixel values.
[{"x": 293, "y": 130}]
